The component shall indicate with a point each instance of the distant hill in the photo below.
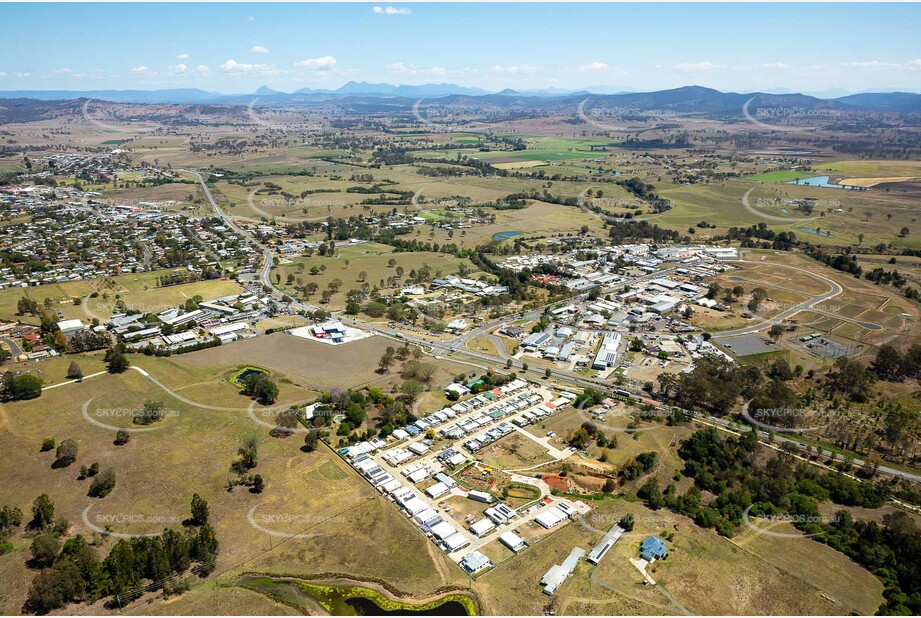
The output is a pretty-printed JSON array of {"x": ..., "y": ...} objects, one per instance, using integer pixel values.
[
  {"x": 904, "y": 102},
  {"x": 684, "y": 100}
]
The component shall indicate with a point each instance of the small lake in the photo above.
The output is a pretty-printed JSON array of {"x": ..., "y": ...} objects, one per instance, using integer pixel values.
[
  {"x": 249, "y": 371},
  {"x": 818, "y": 181},
  {"x": 505, "y": 235},
  {"x": 809, "y": 230}
]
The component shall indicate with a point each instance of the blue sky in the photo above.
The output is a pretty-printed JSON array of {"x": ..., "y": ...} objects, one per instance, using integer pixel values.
[{"x": 235, "y": 48}]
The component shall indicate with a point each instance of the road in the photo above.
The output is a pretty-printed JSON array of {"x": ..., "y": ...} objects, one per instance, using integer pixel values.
[
  {"x": 14, "y": 347},
  {"x": 834, "y": 289},
  {"x": 457, "y": 346}
]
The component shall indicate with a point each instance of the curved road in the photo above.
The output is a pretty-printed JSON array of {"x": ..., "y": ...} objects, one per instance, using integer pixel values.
[{"x": 834, "y": 289}]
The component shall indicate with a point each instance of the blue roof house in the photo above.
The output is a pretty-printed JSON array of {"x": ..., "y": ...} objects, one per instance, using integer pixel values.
[{"x": 652, "y": 548}]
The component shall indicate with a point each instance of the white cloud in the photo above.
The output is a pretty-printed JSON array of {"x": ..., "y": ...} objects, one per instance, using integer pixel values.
[
  {"x": 433, "y": 72},
  {"x": 697, "y": 66},
  {"x": 182, "y": 56},
  {"x": 64, "y": 71},
  {"x": 594, "y": 66},
  {"x": 323, "y": 63},
  {"x": 202, "y": 69},
  {"x": 911, "y": 65},
  {"x": 23, "y": 75},
  {"x": 870, "y": 64},
  {"x": 179, "y": 68},
  {"x": 391, "y": 10},
  {"x": 259, "y": 49},
  {"x": 232, "y": 67},
  {"x": 517, "y": 69},
  {"x": 2, "y": 74},
  {"x": 141, "y": 70},
  {"x": 777, "y": 66}
]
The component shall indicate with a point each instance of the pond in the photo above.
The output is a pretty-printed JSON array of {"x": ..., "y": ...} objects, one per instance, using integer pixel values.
[
  {"x": 247, "y": 372},
  {"x": 809, "y": 230},
  {"x": 818, "y": 181},
  {"x": 505, "y": 235}
]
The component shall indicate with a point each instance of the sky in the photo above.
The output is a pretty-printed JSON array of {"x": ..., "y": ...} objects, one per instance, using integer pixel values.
[{"x": 235, "y": 48}]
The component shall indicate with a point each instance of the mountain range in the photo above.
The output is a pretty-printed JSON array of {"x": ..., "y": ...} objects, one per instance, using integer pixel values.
[{"x": 688, "y": 99}]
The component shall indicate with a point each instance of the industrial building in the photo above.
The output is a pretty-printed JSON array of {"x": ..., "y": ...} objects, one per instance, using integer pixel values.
[
  {"x": 558, "y": 573},
  {"x": 606, "y": 543}
]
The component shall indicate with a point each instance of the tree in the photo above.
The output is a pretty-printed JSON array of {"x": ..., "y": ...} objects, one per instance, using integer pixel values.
[
  {"x": 47, "y": 444},
  {"x": 609, "y": 486},
  {"x": 200, "y": 510},
  {"x": 74, "y": 372},
  {"x": 102, "y": 484},
  {"x": 411, "y": 388},
  {"x": 249, "y": 452},
  {"x": 122, "y": 437},
  {"x": 44, "y": 550},
  {"x": 151, "y": 412},
  {"x": 42, "y": 512},
  {"x": 66, "y": 453},
  {"x": 259, "y": 386},
  {"x": 310, "y": 442},
  {"x": 19, "y": 387},
  {"x": 118, "y": 363},
  {"x": 626, "y": 522},
  {"x": 758, "y": 295},
  {"x": 258, "y": 484},
  {"x": 889, "y": 364},
  {"x": 385, "y": 362},
  {"x": 775, "y": 332}
]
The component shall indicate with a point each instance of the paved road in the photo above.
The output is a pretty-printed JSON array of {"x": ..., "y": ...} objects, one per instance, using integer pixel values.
[
  {"x": 834, "y": 289},
  {"x": 14, "y": 347}
]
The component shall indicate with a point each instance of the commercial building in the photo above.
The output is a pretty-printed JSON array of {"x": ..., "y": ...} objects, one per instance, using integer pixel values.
[
  {"x": 607, "y": 351},
  {"x": 559, "y": 572},
  {"x": 606, "y": 543},
  {"x": 512, "y": 541}
]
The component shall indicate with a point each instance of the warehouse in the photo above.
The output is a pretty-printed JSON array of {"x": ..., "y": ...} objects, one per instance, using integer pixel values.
[
  {"x": 607, "y": 352},
  {"x": 483, "y": 526},
  {"x": 551, "y": 518},
  {"x": 437, "y": 490},
  {"x": 512, "y": 541},
  {"x": 559, "y": 572},
  {"x": 480, "y": 496},
  {"x": 606, "y": 543}
]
